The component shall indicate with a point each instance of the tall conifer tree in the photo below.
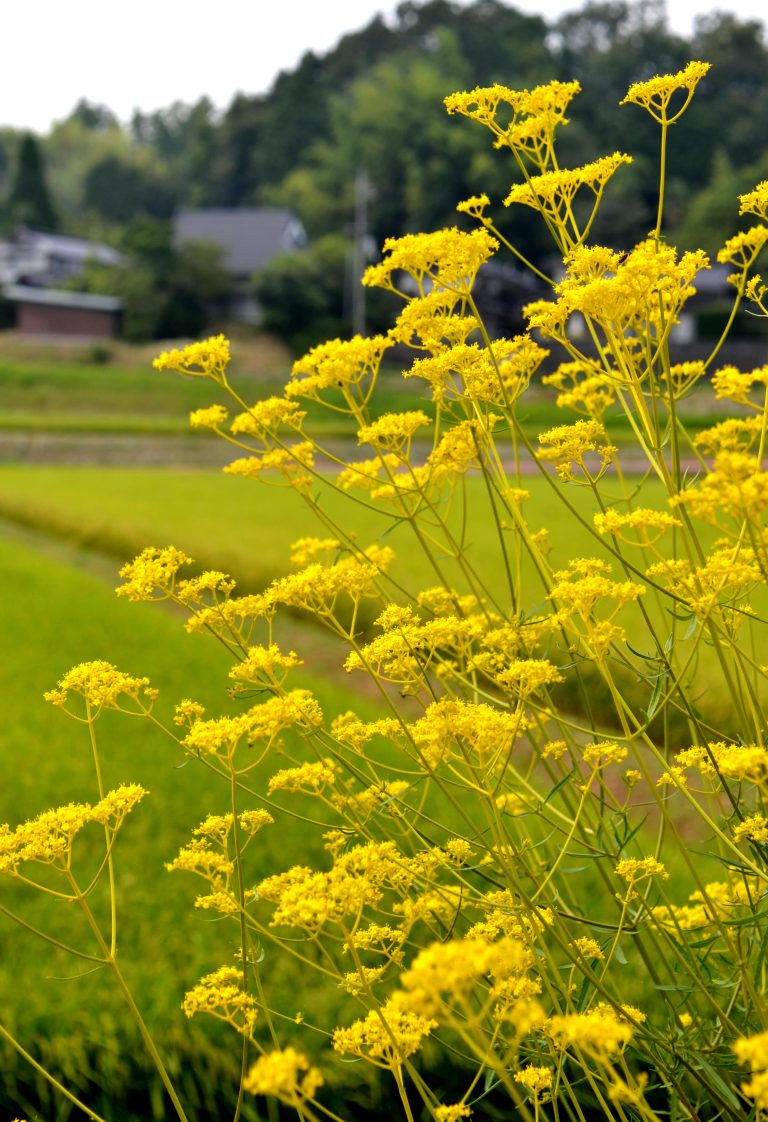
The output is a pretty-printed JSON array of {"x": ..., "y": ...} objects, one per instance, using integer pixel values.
[{"x": 29, "y": 200}]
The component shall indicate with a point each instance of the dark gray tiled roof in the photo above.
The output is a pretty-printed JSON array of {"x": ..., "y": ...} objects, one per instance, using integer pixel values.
[{"x": 249, "y": 236}]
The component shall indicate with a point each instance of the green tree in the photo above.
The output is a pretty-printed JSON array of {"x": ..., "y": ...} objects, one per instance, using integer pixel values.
[
  {"x": 29, "y": 201},
  {"x": 167, "y": 292},
  {"x": 302, "y": 294},
  {"x": 119, "y": 190}
]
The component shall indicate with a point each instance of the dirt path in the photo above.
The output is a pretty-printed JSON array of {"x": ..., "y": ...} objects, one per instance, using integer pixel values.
[{"x": 193, "y": 450}]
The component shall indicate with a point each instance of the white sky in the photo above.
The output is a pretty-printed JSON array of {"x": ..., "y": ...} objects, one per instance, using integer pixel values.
[{"x": 149, "y": 53}]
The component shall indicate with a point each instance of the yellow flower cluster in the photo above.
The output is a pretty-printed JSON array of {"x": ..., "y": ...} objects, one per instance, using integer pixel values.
[
  {"x": 290, "y": 461},
  {"x": 580, "y": 587},
  {"x": 447, "y": 259},
  {"x": 409, "y": 648},
  {"x": 742, "y": 249},
  {"x": 387, "y": 1036},
  {"x": 634, "y": 869},
  {"x": 264, "y": 664},
  {"x": 731, "y": 761},
  {"x": 152, "y": 575},
  {"x": 720, "y": 902},
  {"x": 496, "y": 375},
  {"x": 736, "y": 385},
  {"x": 583, "y": 387},
  {"x": 736, "y": 487},
  {"x": 655, "y": 94},
  {"x": 309, "y": 900},
  {"x": 393, "y": 432},
  {"x": 453, "y": 728},
  {"x": 310, "y": 778},
  {"x": 102, "y": 686},
  {"x": 221, "y": 995},
  {"x": 565, "y": 446},
  {"x": 755, "y": 201},
  {"x": 347, "y": 365},
  {"x": 528, "y": 119},
  {"x": 727, "y": 575},
  {"x": 753, "y": 828},
  {"x": 430, "y": 322},
  {"x": 536, "y": 1079},
  {"x": 317, "y": 588},
  {"x": 383, "y": 796},
  {"x": 642, "y": 519},
  {"x": 208, "y": 359},
  {"x": 47, "y": 839},
  {"x": 451, "y": 1113},
  {"x": 220, "y": 736},
  {"x": 641, "y": 292},
  {"x": 736, "y": 434},
  {"x": 286, "y": 1074},
  {"x": 268, "y": 416},
  {"x": 603, "y": 1033},
  {"x": 448, "y": 975},
  {"x": 553, "y": 192},
  {"x": 213, "y": 417}
]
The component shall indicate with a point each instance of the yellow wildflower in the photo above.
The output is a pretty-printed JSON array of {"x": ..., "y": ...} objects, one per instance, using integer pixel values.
[
  {"x": 431, "y": 322},
  {"x": 347, "y": 365},
  {"x": 583, "y": 387},
  {"x": 263, "y": 662},
  {"x": 603, "y": 1033},
  {"x": 588, "y": 948},
  {"x": 152, "y": 575},
  {"x": 755, "y": 201},
  {"x": 209, "y": 359},
  {"x": 537, "y": 1079},
  {"x": 655, "y": 94},
  {"x": 633, "y": 869},
  {"x": 221, "y": 994},
  {"x": 753, "y": 1050},
  {"x": 267, "y": 416},
  {"x": 554, "y": 191},
  {"x": 754, "y": 828},
  {"x": 603, "y": 753},
  {"x": 211, "y": 418},
  {"x": 101, "y": 685},
  {"x": 475, "y": 206},
  {"x": 446, "y": 259},
  {"x": 286, "y": 1074},
  {"x": 48, "y": 838},
  {"x": 742, "y": 249},
  {"x": 453, "y": 1113},
  {"x": 393, "y": 432},
  {"x": 310, "y": 778},
  {"x": 387, "y": 1036},
  {"x": 567, "y": 445}
]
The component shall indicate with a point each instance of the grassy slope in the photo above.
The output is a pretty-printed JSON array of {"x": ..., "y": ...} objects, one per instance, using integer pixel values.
[
  {"x": 230, "y": 522},
  {"x": 53, "y": 616},
  {"x": 246, "y": 529},
  {"x": 66, "y": 392}
]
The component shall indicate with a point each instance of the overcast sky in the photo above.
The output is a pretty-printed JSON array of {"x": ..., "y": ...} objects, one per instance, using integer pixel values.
[{"x": 149, "y": 53}]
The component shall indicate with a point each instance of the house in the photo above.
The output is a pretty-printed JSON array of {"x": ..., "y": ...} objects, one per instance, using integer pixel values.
[
  {"x": 249, "y": 238},
  {"x": 33, "y": 257},
  {"x": 56, "y": 312}
]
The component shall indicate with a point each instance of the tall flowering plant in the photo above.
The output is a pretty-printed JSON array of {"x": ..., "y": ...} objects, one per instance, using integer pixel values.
[{"x": 527, "y": 899}]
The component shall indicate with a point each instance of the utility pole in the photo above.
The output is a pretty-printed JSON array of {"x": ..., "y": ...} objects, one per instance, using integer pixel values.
[{"x": 360, "y": 249}]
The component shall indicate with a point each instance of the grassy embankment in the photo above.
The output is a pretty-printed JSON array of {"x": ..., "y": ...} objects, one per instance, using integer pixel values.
[{"x": 48, "y": 389}]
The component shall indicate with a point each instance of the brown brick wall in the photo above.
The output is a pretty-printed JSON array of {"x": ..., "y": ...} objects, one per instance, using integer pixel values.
[{"x": 48, "y": 319}]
